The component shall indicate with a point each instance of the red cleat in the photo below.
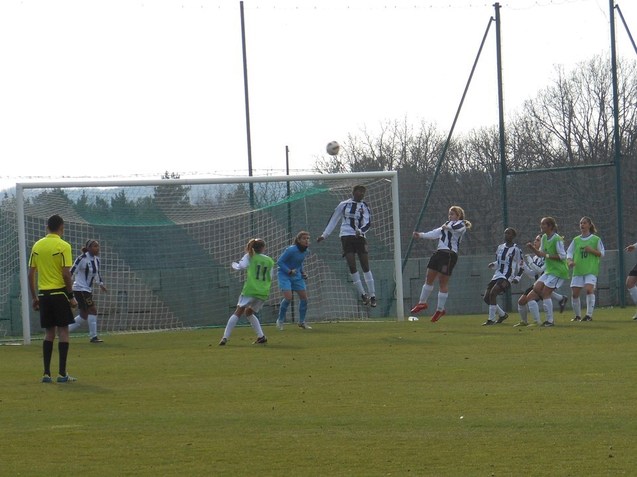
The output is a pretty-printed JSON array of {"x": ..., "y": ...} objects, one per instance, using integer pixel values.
[
  {"x": 419, "y": 307},
  {"x": 437, "y": 315}
]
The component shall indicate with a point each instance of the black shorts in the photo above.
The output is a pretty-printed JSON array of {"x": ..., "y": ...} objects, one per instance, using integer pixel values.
[
  {"x": 633, "y": 272},
  {"x": 84, "y": 300},
  {"x": 55, "y": 310},
  {"x": 502, "y": 283},
  {"x": 443, "y": 261},
  {"x": 354, "y": 244}
]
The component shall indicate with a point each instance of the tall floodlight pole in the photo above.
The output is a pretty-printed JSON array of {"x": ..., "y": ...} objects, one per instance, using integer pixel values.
[
  {"x": 247, "y": 99},
  {"x": 503, "y": 162},
  {"x": 503, "y": 159},
  {"x": 617, "y": 150}
]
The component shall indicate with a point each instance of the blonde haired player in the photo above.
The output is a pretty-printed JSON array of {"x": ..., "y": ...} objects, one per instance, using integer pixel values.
[
  {"x": 552, "y": 250},
  {"x": 444, "y": 259}
]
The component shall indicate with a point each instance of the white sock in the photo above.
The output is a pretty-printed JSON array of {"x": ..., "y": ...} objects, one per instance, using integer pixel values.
[
  {"x": 577, "y": 306},
  {"x": 556, "y": 296},
  {"x": 77, "y": 324},
  {"x": 357, "y": 283},
  {"x": 492, "y": 312},
  {"x": 523, "y": 310},
  {"x": 254, "y": 321},
  {"x": 590, "y": 304},
  {"x": 535, "y": 310},
  {"x": 500, "y": 311},
  {"x": 232, "y": 322},
  {"x": 92, "y": 325},
  {"x": 369, "y": 280},
  {"x": 548, "y": 309},
  {"x": 427, "y": 289},
  {"x": 633, "y": 294},
  {"x": 442, "y": 300}
]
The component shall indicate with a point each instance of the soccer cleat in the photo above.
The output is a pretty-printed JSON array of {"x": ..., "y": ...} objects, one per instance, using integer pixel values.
[
  {"x": 547, "y": 324},
  {"x": 488, "y": 323},
  {"x": 279, "y": 325},
  {"x": 587, "y": 318},
  {"x": 365, "y": 299},
  {"x": 66, "y": 379},
  {"x": 563, "y": 304},
  {"x": 305, "y": 326},
  {"x": 46, "y": 379},
  {"x": 577, "y": 318},
  {"x": 261, "y": 340},
  {"x": 419, "y": 307},
  {"x": 437, "y": 315},
  {"x": 223, "y": 341},
  {"x": 521, "y": 323},
  {"x": 502, "y": 318},
  {"x": 95, "y": 339},
  {"x": 635, "y": 317},
  {"x": 372, "y": 301}
]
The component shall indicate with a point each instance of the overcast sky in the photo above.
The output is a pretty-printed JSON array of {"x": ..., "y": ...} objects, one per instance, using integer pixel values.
[{"x": 124, "y": 87}]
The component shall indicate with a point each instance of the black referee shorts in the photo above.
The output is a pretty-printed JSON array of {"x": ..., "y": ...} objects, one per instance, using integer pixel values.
[{"x": 55, "y": 310}]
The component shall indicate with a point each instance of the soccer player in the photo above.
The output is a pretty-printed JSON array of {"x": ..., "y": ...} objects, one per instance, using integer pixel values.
[
  {"x": 50, "y": 265},
  {"x": 355, "y": 217},
  {"x": 256, "y": 289},
  {"x": 583, "y": 256},
  {"x": 509, "y": 267},
  {"x": 534, "y": 268},
  {"x": 556, "y": 271},
  {"x": 292, "y": 277},
  {"x": 86, "y": 270},
  {"x": 631, "y": 279},
  {"x": 444, "y": 259}
]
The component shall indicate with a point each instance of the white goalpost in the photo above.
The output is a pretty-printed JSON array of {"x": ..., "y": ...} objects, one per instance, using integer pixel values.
[{"x": 167, "y": 245}]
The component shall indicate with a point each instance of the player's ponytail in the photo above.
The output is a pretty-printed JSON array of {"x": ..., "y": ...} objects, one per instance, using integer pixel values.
[{"x": 255, "y": 245}]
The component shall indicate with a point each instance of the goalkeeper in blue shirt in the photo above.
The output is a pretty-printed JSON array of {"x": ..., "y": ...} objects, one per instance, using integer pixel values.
[{"x": 292, "y": 278}]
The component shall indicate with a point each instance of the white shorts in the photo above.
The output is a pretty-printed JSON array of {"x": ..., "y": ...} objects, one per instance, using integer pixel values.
[
  {"x": 551, "y": 281},
  {"x": 580, "y": 280},
  {"x": 248, "y": 301}
]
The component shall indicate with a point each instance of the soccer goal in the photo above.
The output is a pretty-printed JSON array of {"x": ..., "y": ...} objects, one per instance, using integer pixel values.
[{"x": 167, "y": 245}]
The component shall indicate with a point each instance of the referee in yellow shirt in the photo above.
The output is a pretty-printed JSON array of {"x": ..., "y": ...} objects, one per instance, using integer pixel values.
[{"x": 51, "y": 261}]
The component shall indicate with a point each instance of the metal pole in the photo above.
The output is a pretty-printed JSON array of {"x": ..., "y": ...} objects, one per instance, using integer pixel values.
[
  {"x": 287, "y": 173},
  {"x": 617, "y": 153},
  {"x": 502, "y": 138},
  {"x": 247, "y": 99},
  {"x": 22, "y": 250},
  {"x": 503, "y": 162}
]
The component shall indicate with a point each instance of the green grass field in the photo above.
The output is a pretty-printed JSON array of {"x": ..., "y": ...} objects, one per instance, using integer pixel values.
[{"x": 358, "y": 399}]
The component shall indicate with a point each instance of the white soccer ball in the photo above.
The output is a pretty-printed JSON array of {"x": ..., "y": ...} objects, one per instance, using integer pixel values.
[
  {"x": 412, "y": 318},
  {"x": 332, "y": 148}
]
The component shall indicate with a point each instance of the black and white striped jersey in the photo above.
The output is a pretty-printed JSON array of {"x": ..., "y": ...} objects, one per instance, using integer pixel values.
[
  {"x": 509, "y": 263},
  {"x": 354, "y": 216},
  {"x": 86, "y": 269},
  {"x": 449, "y": 235}
]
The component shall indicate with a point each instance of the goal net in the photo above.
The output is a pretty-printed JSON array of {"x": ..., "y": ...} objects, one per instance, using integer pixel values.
[{"x": 167, "y": 245}]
